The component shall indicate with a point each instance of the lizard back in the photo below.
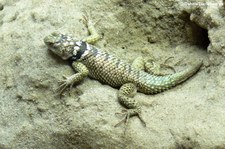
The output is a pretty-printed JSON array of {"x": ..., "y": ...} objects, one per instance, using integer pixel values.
[{"x": 112, "y": 71}]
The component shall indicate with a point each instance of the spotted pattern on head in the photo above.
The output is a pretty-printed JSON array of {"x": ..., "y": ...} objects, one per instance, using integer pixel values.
[{"x": 65, "y": 46}]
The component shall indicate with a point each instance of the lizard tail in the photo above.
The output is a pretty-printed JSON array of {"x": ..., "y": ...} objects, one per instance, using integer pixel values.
[
  {"x": 181, "y": 76},
  {"x": 155, "y": 84}
]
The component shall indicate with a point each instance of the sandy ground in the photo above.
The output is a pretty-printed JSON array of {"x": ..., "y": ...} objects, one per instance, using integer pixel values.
[{"x": 191, "y": 115}]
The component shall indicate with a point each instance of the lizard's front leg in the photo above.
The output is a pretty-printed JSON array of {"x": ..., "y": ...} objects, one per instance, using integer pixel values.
[
  {"x": 125, "y": 96},
  {"x": 94, "y": 36},
  {"x": 82, "y": 72}
]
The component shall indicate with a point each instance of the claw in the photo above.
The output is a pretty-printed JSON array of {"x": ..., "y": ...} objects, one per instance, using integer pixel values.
[
  {"x": 87, "y": 21},
  {"x": 123, "y": 112},
  {"x": 126, "y": 118},
  {"x": 61, "y": 88},
  {"x": 171, "y": 57},
  {"x": 154, "y": 68},
  {"x": 85, "y": 18},
  {"x": 168, "y": 66},
  {"x": 64, "y": 84},
  {"x": 142, "y": 120}
]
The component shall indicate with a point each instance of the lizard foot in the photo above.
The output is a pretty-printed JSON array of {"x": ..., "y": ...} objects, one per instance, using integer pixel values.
[
  {"x": 168, "y": 66},
  {"x": 127, "y": 114},
  {"x": 66, "y": 82},
  {"x": 87, "y": 21},
  {"x": 155, "y": 68},
  {"x": 94, "y": 36}
]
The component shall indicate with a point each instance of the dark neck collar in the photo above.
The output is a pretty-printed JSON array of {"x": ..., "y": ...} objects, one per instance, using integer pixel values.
[{"x": 83, "y": 48}]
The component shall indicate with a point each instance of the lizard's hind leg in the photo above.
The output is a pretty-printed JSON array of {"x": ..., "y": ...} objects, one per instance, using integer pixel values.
[
  {"x": 125, "y": 96},
  {"x": 150, "y": 66},
  {"x": 139, "y": 63}
]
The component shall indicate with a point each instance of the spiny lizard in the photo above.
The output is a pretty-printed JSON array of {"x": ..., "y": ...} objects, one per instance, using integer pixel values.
[{"x": 87, "y": 60}]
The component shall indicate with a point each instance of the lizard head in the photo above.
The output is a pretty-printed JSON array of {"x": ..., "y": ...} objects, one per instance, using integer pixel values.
[{"x": 62, "y": 45}]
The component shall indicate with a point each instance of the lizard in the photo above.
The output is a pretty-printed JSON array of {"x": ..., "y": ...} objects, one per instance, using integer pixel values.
[{"x": 88, "y": 60}]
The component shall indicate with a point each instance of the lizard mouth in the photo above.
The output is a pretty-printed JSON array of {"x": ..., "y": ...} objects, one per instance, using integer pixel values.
[{"x": 59, "y": 45}]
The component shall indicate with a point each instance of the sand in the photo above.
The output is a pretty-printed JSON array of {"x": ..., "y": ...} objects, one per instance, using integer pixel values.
[{"x": 191, "y": 115}]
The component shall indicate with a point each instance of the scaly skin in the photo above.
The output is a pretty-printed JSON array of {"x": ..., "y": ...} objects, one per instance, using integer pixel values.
[{"x": 88, "y": 60}]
